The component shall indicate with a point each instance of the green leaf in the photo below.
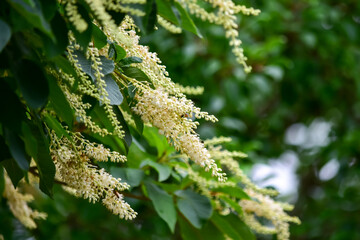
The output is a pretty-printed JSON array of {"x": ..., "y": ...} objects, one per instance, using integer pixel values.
[
  {"x": 2, "y": 181},
  {"x": 17, "y": 149},
  {"x": 233, "y": 191},
  {"x": 163, "y": 203},
  {"x": 31, "y": 145},
  {"x": 31, "y": 11},
  {"x": 163, "y": 170},
  {"x": 232, "y": 226},
  {"x": 13, "y": 170},
  {"x": 5, "y": 35},
  {"x": 43, "y": 159},
  {"x": 132, "y": 176},
  {"x": 129, "y": 60},
  {"x": 49, "y": 8},
  {"x": 60, "y": 103},
  {"x": 136, "y": 73},
  {"x": 12, "y": 111},
  {"x": 54, "y": 124},
  {"x": 165, "y": 10},
  {"x": 60, "y": 30},
  {"x": 116, "y": 52},
  {"x": 4, "y": 150},
  {"x": 186, "y": 21},
  {"x": 116, "y": 16},
  {"x": 99, "y": 38},
  {"x": 233, "y": 204},
  {"x": 195, "y": 207},
  {"x": 113, "y": 90},
  {"x": 32, "y": 83}
]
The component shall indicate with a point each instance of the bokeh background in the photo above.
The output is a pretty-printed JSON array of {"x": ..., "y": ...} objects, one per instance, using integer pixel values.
[{"x": 297, "y": 116}]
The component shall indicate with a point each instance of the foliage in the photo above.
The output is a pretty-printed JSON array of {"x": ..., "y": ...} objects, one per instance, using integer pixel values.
[{"x": 84, "y": 105}]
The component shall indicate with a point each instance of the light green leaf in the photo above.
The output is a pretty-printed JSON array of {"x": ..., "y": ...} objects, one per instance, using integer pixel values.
[
  {"x": 5, "y": 35},
  {"x": 163, "y": 203},
  {"x": 163, "y": 170},
  {"x": 195, "y": 207}
]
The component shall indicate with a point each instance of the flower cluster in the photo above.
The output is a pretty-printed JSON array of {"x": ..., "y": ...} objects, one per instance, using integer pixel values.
[
  {"x": 224, "y": 14},
  {"x": 18, "y": 205},
  {"x": 263, "y": 206},
  {"x": 75, "y": 162},
  {"x": 173, "y": 117}
]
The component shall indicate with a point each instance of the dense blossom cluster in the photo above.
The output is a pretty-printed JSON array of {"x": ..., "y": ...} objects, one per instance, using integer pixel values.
[
  {"x": 260, "y": 204},
  {"x": 76, "y": 167}
]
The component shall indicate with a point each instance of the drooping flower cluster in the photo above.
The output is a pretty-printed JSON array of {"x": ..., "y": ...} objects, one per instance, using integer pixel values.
[
  {"x": 224, "y": 14},
  {"x": 18, "y": 204},
  {"x": 259, "y": 204},
  {"x": 263, "y": 206},
  {"x": 75, "y": 162}
]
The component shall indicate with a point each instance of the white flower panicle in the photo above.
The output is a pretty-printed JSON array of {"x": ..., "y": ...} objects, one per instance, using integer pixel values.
[
  {"x": 75, "y": 168},
  {"x": 224, "y": 14},
  {"x": 263, "y": 206},
  {"x": 172, "y": 116},
  {"x": 18, "y": 205}
]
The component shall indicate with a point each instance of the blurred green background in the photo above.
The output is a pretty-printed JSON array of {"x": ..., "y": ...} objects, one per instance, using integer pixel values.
[{"x": 296, "y": 115}]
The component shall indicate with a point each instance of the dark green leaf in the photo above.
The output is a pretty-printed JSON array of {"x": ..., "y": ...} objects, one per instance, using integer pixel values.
[
  {"x": 2, "y": 181},
  {"x": 195, "y": 207},
  {"x": 232, "y": 191},
  {"x": 127, "y": 137},
  {"x": 12, "y": 111},
  {"x": 54, "y": 124},
  {"x": 59, "y": 102},
  {"x": 129, "y": 60},
  {"x": 163, "y": 203},
  {"x": 33, "y": 84},
  {"x": 49, "y": 8},
  {"x": 116, "y": 16},
  {"x": 43, "y": 160},
  {"x": 186, "y": 21},
  {"x": 136, "y": 73},
  {"x": 100, "y": 39},
  {"x": 150, "y": 19},
  {"x": 31, "y": 145},
  {"x": 116, "y": 52},
  {"x": 113, "y": 90},
  {"x": 163, "y": 170},
  {"x": 17, "y": 149},
  {"x": 31, "y": 11},
  {"x": 232, "y": 226},
  {"x": 60, "y": 31},
  {"x": 131, "y": 176},
  {"x": 165, "y": 10},
  {"x": 4, "y": 150},
  {"x": 5, "y": 35},
  {"x": 13, "y": 170}
]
